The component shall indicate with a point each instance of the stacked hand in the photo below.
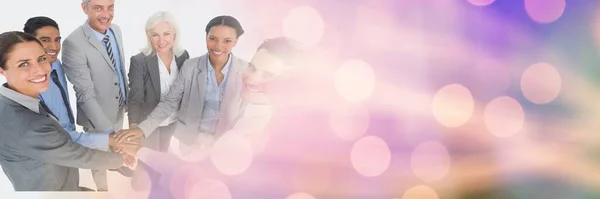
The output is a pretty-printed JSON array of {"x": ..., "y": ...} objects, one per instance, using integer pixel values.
[
  {"x": 127, "y": 142},
  {"x": 131, "y": 134}
]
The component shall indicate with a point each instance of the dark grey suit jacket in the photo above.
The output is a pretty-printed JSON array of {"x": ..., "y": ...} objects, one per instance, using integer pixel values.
[
  {"x": 36, "y": 153},
  {"x": 144, "y": 85}
]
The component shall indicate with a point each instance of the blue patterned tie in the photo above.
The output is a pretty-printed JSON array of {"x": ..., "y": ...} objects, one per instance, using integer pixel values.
[{"x": 106, "y": 41}]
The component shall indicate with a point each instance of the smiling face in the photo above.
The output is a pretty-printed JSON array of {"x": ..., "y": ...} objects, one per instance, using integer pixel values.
[
  {"x": 219, "y": 42},
  {"x": 27, "y": 69},
  {"x": 162, "y": 37},
  {"x": 263, "y": 70},
  {"x": 50, "y": 38},
  {"x": 100, "y": 14}
]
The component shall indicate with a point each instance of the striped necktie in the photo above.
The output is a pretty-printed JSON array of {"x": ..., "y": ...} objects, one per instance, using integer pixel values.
[{"x": 108, "y": 45}]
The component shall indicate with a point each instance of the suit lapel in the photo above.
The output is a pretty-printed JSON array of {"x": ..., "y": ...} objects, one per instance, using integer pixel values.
[
  {"x": 99, "y": 46},
  {"x": 231, "y": 91},
  {"x": 117, "y": 33},
  {"x": 154, "y": 71},
  {"x": 201, "y": 78}
]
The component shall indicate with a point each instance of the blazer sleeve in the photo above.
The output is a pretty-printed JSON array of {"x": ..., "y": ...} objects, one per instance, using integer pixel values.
[
  {"x": 136, "y": 95},
  {"x": 78, "y": 73},
  {"x": 181, "y": 59},
  {"x": 170, "y": 102},
  {"x": 185, "y": 55},
  {"x": 97, "y": 140},
  {"x": 45, "y": 142}
]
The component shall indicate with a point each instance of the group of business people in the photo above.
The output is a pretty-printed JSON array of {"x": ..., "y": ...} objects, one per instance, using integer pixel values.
[{"x": 166, "y": 94}]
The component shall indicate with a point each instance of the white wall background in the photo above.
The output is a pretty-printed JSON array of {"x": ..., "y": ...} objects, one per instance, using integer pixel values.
[{"x": 131, "y": 16}]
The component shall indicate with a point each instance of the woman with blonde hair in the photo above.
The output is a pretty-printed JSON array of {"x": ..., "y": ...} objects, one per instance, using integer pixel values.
[{"x": 151, "y": 74}]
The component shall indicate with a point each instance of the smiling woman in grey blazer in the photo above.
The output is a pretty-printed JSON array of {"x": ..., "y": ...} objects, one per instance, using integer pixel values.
[
  {"x": 203, "y": 90},
  {"x": 36, "y": 153}
]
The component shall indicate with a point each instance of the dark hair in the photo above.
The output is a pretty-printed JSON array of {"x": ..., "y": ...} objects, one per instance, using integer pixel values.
[
  {"x": 35, "y": 23},
  {"x": 226, "y": 21},
  {"x": 9, "y": 40},
  {"x": 284, "y": 48}
]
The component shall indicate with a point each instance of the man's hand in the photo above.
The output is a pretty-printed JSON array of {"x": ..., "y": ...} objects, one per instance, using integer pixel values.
[
  {"x": 117, "y": 146},
  {"x": 129, "y": 134}
]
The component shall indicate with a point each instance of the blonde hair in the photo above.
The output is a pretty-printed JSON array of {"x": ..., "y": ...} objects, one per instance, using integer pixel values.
[{"x": 155, "y": 19}]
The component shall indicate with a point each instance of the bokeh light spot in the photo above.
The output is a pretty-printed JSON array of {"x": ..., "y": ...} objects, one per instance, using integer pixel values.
[
  {"x": 300, "y": 195},
  {"x": 210, "y": 188},
  {"x": 355, "y": 80},
  {"x": 370, "y": 156},
  {"x": 349, "y": 121},
  {"x": 481, "y": 2},
  {"x": 504, "y": 116},
  {"x": 304, "y": 24},
  {"x": 541, "y": 83},
  {"x": 453, "y": 105},
  {"x": 420, "y": 192},
  {"x": 545, "y": 11},
  {"x": 430, "y": 161},
  {"x": 232, "y": 154},
  {"x": 183, "y": 179}
]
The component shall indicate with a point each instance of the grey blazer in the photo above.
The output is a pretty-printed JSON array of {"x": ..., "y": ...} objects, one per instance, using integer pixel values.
[
  {"x": 144, "y": 85},
  {"x": 94, "y": 79},
  {"x": 36, "y": 153},
  {"x": 189, "y": 89}
]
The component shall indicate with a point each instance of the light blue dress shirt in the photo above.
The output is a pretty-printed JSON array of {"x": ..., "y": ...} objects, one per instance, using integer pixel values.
[
  {"x": 116, "y": 55},
  {"x": 54, "y": 100},
  {"x": 213, "y": 97}
]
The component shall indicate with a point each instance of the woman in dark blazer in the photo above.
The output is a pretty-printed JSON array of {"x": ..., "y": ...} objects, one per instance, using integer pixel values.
[{"x": 151, "y": 73}]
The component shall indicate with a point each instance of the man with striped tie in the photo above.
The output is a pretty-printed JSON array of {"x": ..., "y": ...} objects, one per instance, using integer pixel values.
[{"x": 94, "y": 63}]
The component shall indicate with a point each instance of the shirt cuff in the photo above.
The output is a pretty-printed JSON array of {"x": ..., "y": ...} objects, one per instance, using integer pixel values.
[
  {"x": 102, "y": 139},
  {"x": 108, "y": 131}
]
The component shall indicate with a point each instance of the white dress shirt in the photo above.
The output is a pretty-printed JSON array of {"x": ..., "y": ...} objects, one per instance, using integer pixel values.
[{"x": 166, "y": 80}]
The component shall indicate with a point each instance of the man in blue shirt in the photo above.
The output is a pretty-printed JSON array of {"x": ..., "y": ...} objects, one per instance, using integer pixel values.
[{"x": 57, "y": 96}]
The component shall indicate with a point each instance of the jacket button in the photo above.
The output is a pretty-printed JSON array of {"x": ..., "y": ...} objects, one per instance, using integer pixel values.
[
  {"x": 116, "y": 83},
  {"x": 117, "y": 97}
]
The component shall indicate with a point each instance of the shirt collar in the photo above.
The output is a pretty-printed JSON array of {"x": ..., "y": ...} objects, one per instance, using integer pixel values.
[
  {"x": 162, "y": 63},
  {"x": 56, "y": 65},
  {"x": 28, "y": 102},
  {"x": 98, "y": 35},
  {"x": 225, "y": 69}
]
